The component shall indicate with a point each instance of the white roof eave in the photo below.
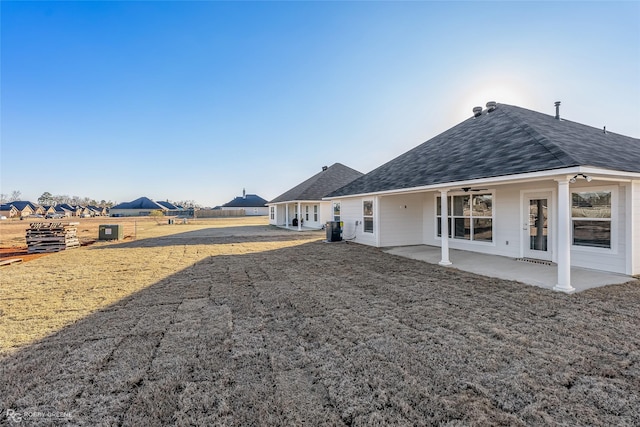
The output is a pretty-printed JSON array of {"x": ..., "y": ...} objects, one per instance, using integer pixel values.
[{"x": 605, "y": 174}]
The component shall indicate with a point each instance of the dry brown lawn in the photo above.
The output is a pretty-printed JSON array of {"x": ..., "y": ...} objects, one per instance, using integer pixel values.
[{"x": 243, "y": 324}]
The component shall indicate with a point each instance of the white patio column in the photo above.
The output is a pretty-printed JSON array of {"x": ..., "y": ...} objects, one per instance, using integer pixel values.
[
  {"x": 286, "y": 215},
  {"x": 444, "y": 220},
  {"x": 299, "y": 217},
  {"x": 564, "y": 237}
]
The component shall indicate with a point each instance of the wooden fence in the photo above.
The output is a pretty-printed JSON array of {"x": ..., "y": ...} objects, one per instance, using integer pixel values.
[{"x": 219, "y": 213}]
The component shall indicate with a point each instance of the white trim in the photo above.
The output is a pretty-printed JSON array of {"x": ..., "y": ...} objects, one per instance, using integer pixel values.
[
  {"x": 551, "y": 219},
  {"x": 564, "y": 236},
  {"x": 444, "y": 239},
  {"x": 603, "y": 174},
  {"x": 615, "y": 201},
  {"x": 490, "y": 191},
  {"x": 629, "y": 228},
  {"x": 376, "y": 220}
]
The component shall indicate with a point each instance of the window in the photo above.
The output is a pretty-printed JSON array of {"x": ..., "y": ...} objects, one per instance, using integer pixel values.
[
  {"x": 272, "y": 210},
  {"x": 336, "y": 211},
  {"x": 315, "y": 213},
  {"x": 591, "y": 218},
  {"x": 470, "y": 217},
  {"x": 306, "y": 213},
  {"x": 367, "y": 215}
]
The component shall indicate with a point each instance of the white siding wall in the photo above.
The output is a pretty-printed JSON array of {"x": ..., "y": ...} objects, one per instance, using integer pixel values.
[
  {"x": 326, "y": 212},
  {"x": 310, "y": 222},
  {"x": 634, "y": 232},
  {"x": 350, "y": 212},
  {"x": 273, "y": 221},
  {"x": 400, "y": 219},
  {"x": 417, "y": 224},
  {"x": 507, "y": 227},
  {"x": 614, "y": 259}
]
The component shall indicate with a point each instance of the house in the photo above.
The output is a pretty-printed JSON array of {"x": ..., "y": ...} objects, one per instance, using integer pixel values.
[
  {"x": 24, "y": 208},
  {"x": 305, "y": 199},
  {"x": 175, "y": 210},
  {"x": 9, "y": 211},
  {"x": 69, "y": 210},
  {"x": 142, "y": 206},
  {"x": 48, "y": 210},
  {"x": 64, "y": 210},
  {"x": 510, "y": 182},
  {"x": 252, "y": 204},
  {"x": 97, "y": 210}
]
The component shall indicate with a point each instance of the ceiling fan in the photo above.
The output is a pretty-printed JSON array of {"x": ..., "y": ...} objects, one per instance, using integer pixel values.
[{"x": 467, "y": 189}]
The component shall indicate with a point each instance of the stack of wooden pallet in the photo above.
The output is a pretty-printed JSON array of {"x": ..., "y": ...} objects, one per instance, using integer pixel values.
[{"x": 52, "y": 237}]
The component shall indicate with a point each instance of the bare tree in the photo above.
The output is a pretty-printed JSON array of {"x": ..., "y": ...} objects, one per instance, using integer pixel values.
[{"x": 15, "y": 195}]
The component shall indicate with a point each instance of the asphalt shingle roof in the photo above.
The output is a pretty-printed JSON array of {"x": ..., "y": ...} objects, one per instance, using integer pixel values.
[
  {"x": 140, "y": 203},
  {"x": 20, "y": 205},
  {"x": 168, "y": 205},
  {"x": 509, "y": 140},
  {"x": 320, "y": 184},
  {"x": 249, "y": 201}
]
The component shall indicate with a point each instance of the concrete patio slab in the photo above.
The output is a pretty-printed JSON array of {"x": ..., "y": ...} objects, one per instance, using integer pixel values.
[{"x": 544, "y": 276}]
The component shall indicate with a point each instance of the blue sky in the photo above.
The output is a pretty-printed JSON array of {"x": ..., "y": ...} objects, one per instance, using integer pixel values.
[{"x": 198, "y": 100}]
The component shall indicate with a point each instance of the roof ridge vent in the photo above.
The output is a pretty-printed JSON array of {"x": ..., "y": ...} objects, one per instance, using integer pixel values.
[
  {"x": 477, "y": 111},
  {"x": 491, "y": 105}
]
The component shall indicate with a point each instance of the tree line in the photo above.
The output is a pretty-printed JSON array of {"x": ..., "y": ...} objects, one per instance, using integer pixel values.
[{"x": 48, "y": 199}]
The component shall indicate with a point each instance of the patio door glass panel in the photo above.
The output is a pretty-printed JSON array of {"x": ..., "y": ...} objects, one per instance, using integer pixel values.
[
  {"x": 537, "y": 236},
  {"x": 538, "y": 224}
]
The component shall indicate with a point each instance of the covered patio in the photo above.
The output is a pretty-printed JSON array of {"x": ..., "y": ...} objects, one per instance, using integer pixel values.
[{"x": 531, "y": 273}]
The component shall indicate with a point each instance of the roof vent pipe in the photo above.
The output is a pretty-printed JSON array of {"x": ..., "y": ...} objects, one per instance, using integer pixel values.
[
  {"x": 491, "y": 105},
  {"x": 557, "y": 104},
  {"x": 477, "y": 111},
  {"x": 324, "y": 168}
]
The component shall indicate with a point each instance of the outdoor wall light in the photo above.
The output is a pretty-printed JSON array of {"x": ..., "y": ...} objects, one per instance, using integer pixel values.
[{"x": 587, "y": 177}]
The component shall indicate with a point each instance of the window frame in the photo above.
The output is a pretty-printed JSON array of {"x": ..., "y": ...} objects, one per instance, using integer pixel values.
[
  {"x": 471, "y": 218},
  {"x": 315, "y": 213},
  {"x": 333, "y": 208},
  {"x": 613, "y": 219},
  {"x": 368, "y": 218}
]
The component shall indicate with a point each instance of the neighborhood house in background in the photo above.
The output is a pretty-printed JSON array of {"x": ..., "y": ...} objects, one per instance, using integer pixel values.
[
  {"x": 25, "y": 209},
  {"x": 512, "y": 182},
  {"x": 305, "y": 199},
  {"x": 144, "y": 206},
  {"x": 252, "y": 204}
]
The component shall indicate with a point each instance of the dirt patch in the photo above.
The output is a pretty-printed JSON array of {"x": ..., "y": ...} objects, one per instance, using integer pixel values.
[{"x": 251, "y": 325}]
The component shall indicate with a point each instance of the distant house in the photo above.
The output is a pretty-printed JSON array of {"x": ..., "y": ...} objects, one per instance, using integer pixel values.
[
  {"x": 24, "y": 208},
  {"x": 174, "y": 210},
  {"x": 72, "y": 210},
  {"x": 97, "y": 210},
  {"x": 304, "y": 201},
  {"x": 252, "y": 204},
  {"x": 512, "y": 182},
  {"x": 142, "y": 206},
  {"x": 65, "y": 210},
  {"x": 9, "y": 211},
  {"x": 48, "y": 210}
]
